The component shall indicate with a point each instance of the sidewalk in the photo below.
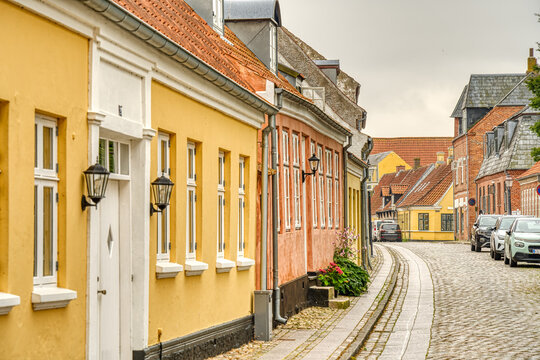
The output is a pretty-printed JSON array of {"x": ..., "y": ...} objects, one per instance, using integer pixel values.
[{"x": 323, "y": 333}]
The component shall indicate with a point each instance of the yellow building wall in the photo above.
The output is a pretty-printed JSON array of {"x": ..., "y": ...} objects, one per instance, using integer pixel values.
[
  {"x": 183, "y": 305},
  {"x": 44, "y": 69},
  {"x": 389, "y": 163},
  {"x": 434, "y": 232},
  {"x": 355, "y": 209}
]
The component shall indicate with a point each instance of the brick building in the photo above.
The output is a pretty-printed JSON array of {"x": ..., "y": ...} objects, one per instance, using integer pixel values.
[
  {"x": 528, "y": 183},
  {"x": 416, "y": 151}
]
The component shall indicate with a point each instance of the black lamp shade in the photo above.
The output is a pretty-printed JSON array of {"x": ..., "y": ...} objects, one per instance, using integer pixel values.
[
  {"x": 162, "y": 188},
  {"x": 314, "y": 163},
  {"x": 97, "y": 178}
]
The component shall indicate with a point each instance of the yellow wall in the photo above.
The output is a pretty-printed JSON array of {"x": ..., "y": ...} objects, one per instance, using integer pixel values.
[
  {"x": 43, "y": 68},
  {"x": 183, "y": 305},
  {"x": 389, "y": 163},
  {"x": 434, "y": 232},
  {"x": 355, "y": 208}
]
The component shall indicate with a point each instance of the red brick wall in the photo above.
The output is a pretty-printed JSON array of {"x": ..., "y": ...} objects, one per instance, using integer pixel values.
[
  {"x": 498, "y": 180},
  {"x": 530, "y": 199}
]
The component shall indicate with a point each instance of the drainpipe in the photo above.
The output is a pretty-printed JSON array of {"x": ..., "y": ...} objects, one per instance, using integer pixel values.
[
  {"x": 346, "y": 184},
  {"x": 365, "y": 259},
  {"x": 264, "y": 206},
  {"x": 277, "y": 293}
]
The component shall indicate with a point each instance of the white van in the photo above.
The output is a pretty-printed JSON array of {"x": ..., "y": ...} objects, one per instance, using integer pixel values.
[{"x": 375, "y": 227}]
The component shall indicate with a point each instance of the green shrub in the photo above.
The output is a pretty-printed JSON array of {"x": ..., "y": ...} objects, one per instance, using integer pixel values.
[{"x": 357, "y": 278}]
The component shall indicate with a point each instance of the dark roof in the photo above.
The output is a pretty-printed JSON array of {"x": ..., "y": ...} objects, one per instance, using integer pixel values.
[
  {"x": 252, "y": 10},
  {"x": 519, "y": 95},
  {"x": 485, "y": 90},
  {"x": 458, "y": 110}
]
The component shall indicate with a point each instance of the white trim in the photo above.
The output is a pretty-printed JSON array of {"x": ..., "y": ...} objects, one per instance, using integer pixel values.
[
  {"x": 191, "y": 194},
  {"x": 7, "y": 302},
  {"x": 322, "y": 187},
  {"x": 287, "y": 195},
  {"x": 51, "y": 297},
  {"x": 165, "y": 269},
  {"x": 314, "y": 207},
  {"x": 195, "y": 268},
  {"x": 163, "y": 168},
  {"x": 243, "y": 263},
  {"x": 241, "y": 238},
  {"x": 224, "y": 265},
  {"x": 221, "y": 207}
]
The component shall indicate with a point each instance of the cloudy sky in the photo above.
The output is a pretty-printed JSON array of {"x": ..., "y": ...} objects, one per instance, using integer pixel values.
[{"x": 413, "y": 57}]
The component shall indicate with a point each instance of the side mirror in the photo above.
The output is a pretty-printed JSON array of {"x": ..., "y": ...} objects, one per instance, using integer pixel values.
[
  {"x": 509, "y": 232},
  {"x": 475, "y": 225}
]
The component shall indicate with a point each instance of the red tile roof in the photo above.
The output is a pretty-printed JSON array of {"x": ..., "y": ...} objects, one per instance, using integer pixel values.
[
  {"x": 496, "y": 116},
  {"x": 534, "y": 170},
  {"x": 409, "y": 148},
  {"x": 430, "y": 189}
]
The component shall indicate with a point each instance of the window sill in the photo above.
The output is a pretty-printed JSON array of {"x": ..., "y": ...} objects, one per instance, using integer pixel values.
[
  {"x": 45, "y": 297},
  {"x": 7, "y": 302},
  {"x": 166, "y": 270},
  {"x": 224, "y": 265},
  {"x": 243, "y": 263},
  {"x": 195, "y": 268}
]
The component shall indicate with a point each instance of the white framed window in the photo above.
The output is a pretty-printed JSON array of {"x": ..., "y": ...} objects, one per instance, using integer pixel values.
[
  {"x": 328, "y": 154},
  {"x": 329, "y": 192},
  {"x": 163, "y": 218},
  {"x": 114, "y": 156},
  {"x": 218, "y": 16},
  {"x": 191, "y": 211},
  {"x": 285, "y": 146},
  {"x": 296, "y": 181},
  {"x": 45, "y": 200},
  {"x": 336, "y": 190},
  {"x": 286, "y": 179},
  {"x": 221, "y": 206},
  {"x": 314, "y": 210},
  {"x": 321, "y": 187},
  {"x": 273, "y": 48},
  {"x": 241, "y": 205}
]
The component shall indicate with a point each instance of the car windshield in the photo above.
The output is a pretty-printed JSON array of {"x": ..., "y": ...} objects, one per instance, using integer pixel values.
[
  {"x": 506, "y": 223},
  {"x": 528, "y": 226},
  {"x": 487, "y": 221},
  {"x": 389, "y": 227}
]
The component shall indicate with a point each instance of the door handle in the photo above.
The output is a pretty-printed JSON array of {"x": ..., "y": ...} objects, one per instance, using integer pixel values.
[{"x": 102, "y": 292}]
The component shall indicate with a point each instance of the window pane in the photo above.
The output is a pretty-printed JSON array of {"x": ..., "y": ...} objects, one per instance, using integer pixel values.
[
  {"x": 35, "y": 229},
  {"x": 102, "y": 159},
  {"x": 241, "y": 223},
  {"x": 190, "y": 164},
  {"x": 191, "y": 221},
  {"x": 35, "y": 145},
  {"x": 113, "y": 149},
  {"x": 47, "y": 231},
  {"x": 220, "y": 223},
  {"x": 124, "y": 159},
  {"x": 47, "y": 148},
  {"x": 164, "y": 230}
]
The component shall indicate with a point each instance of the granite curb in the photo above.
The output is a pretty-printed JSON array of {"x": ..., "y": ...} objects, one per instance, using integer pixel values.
[{"x": 363, "y": 334}]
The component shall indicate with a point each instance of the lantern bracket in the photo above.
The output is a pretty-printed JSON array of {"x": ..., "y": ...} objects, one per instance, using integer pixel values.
[
  {"x": 153, "y": 209},
  {"x": 85, "y": 203}
]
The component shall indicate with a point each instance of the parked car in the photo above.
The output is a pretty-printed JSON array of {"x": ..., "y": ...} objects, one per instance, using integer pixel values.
[
  {"x": 390, "y": 232},
  {"x": 481, "y": 231},
  {"x": 496, "y": 241},
  {"x": 522, "y": 242},
  {"x": 376, "y": 225}
]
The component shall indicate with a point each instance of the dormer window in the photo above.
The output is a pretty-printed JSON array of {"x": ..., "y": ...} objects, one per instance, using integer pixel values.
[
  {"x": 273, "y": 48},
  {"x": 218, "y": 16}
]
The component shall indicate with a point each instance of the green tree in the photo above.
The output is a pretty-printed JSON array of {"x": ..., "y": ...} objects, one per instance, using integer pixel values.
[{"x": 534, "y": 85}]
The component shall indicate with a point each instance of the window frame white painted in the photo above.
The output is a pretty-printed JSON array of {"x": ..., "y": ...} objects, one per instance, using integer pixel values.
[
  {"x": 45, "y": 178},
  {"x": 286, "y": 179},
  {"x": 273, "y": 48},
  {"x": 296, "y": 181},
  {"x": 164, "y": 138},
  {"x": 191, "y": 191},
  {"x": 221, "y": 207},
  {"x": 336, "y": 190},
  {"x": 217, "y": 16},
  {"x": 115, "y": 174},
  {"x": 241, "y": 206},
  {"x": 329, "y": 186},
  {"x": 321, "y": 187}
]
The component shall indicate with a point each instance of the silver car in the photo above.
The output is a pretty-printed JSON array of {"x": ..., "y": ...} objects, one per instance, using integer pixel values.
[
  {"x": 522, "y": 242},
  {"x": 376, "y": 227},
  {"x": 496, "y": 241}
]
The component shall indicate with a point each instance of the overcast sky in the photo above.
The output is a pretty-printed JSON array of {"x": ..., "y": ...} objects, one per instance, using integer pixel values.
[{"x": 413, "y": 57}]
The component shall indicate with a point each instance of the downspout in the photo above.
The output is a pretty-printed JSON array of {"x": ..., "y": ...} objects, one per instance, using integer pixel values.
[
  {"x": 468, "y": 206},
  {"x": 346, "y": 183},
  {"x": 365, "y": 238},
  {"x": 277, "y": 292},
  {"x": 264, "y": 206}
]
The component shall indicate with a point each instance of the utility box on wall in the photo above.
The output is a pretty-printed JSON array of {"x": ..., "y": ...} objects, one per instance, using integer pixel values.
[{"x": 263, "y": 315}]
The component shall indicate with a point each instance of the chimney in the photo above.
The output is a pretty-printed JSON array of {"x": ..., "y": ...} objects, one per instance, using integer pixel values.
[
  {"x": 450, "y": 155},
  {"x": 416, "y": 163},
  {"x": 400, "y": 168},
  {"x": 531, "y": 62},
  {"x": 329, "y": 67},
  {"x": 440, "y": 158}
]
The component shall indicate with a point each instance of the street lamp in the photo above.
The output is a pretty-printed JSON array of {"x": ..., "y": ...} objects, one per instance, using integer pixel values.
[
  {"x": 161, "y": 188},
  {"x": 96, "y": 177},
  {"x": 313, "y": 165},
  {"x": 508, "y": 182}
]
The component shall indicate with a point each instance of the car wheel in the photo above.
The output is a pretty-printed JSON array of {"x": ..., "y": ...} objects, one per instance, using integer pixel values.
[
  {"x": 496, "y": 255},
  {"x": 512, "y": 262},
  {"x": 478, "y": 247},
  {"x": 505, "y": 259},
  {"x": 472, "y": 247},
  {"x": 491, "y": 253}
]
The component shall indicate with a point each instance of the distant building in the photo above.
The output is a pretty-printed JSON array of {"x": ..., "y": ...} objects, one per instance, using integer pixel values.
[
  {"x": 415, "y": 151},
  {"x": 528, "y": 183},
  {"x": 384, "y": 163}
]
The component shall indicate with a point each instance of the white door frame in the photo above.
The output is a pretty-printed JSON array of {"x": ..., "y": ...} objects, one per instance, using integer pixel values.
[{"x": 304, "y": 222}]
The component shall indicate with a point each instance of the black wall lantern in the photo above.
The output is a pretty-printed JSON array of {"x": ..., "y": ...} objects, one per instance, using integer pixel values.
[
  {"x": 161, "y": 188},
  {"x": 96, "y": 177},
  {"x": 313, "y": 165}
]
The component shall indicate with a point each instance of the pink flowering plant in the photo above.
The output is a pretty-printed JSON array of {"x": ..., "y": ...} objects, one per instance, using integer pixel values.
[{"x": 344, "y": 274}]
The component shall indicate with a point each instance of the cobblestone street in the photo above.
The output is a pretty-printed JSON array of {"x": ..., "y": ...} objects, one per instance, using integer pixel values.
[{"x": 483, "y": 309}]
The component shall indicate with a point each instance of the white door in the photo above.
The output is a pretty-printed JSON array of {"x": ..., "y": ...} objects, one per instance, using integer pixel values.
[{"x": 109, "y": 274}]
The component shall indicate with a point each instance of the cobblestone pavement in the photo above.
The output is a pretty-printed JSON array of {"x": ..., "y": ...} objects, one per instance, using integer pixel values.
[
  {"x": 307, "y": 328},
  {"x": 483, "y": 309}
]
